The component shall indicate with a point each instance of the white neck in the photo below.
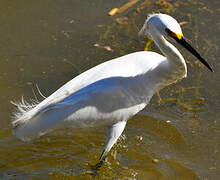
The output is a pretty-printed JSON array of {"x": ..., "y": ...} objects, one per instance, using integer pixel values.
[{"x": 175, "y": 59}]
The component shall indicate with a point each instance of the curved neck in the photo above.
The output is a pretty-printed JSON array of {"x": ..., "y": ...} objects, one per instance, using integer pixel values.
[{"x": 174, "y": 58}]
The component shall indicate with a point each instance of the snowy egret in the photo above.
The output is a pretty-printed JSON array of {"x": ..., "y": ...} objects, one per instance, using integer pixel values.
[{"x": 112, "y": 92}]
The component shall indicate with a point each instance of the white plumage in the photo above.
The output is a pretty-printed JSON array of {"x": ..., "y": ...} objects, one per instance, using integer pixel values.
[
  {"x": 97, "y": 95},
  {"x": 110, "y": 93}
]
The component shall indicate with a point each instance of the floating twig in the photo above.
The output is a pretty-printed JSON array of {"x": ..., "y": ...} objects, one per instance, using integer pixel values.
[{"x": 123, "y": 8}]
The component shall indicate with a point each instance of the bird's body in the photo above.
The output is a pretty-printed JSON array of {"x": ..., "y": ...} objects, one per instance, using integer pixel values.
[
  {"x": 97, "y": 96},
  {"x": 108, "y": 94}
]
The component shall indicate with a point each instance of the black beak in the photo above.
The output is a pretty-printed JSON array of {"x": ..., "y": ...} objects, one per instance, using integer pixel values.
[{"x": 185, "y": 44}]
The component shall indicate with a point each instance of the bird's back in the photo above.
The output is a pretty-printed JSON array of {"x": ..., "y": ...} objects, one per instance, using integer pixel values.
[{"x": 130, "y": 65}]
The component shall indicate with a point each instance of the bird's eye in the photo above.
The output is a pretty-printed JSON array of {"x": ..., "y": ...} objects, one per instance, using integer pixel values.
[
  {"x": 173, "y": 35},
  {"x": 168, "y": 31}
]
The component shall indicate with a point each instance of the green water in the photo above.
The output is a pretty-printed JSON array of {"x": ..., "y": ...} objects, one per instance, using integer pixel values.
[{"x": 50, "y": 42}]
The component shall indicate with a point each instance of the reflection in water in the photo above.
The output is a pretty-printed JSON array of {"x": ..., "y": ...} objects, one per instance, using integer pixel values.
[{"x": 50, "y": 42}]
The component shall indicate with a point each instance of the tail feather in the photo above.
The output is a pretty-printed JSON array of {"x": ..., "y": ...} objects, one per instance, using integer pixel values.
[
  {"x": 23, "y": 111},
  {"x": 35, "y": 119},
  {"x": 32, "y": 121}
]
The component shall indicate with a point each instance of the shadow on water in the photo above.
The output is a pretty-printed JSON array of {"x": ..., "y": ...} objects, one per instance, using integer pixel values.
[{"x": 50, "y": 42}]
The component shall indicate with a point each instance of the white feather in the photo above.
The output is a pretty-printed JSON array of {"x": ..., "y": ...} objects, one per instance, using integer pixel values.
[{"x": 33, "y": 119}]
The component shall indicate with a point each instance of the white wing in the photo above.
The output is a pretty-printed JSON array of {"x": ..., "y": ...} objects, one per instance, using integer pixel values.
[{"x": 111, "y": 90}]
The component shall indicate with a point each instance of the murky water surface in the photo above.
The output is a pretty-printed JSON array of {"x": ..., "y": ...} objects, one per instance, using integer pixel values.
[{"x": 49, "y": 42}]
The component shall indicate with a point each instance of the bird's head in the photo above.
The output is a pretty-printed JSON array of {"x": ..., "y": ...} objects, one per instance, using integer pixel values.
[
  {"x": 161, "y": 24},
  {"x": 164, "y": 25}
]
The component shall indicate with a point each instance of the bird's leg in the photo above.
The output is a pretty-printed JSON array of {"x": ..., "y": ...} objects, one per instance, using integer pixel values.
[
  {"x": 159, "y": 98},
  {"x": 114, "y": 132},
  {"x": 149, "y": 42}
]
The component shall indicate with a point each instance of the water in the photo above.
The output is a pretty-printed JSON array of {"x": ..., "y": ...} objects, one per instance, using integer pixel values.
[{"x": 50, "y": 42}]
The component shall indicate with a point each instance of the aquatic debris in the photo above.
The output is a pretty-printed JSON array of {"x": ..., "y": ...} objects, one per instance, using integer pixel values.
[
  {"x": 96, "y": 45},
  {"x": 123, "y": 8},
  {"x": 66, "y": 34},
  {"x": 183, "y": 23},
  {"x": 159, "y": 97},
  {"x": 108, "y": 48},
  {"x": 122, "y": 20},
  {"x": 155, "y": 160},
  {"x": 139, "y": 138},
  {"x": 113, "y": 12},
  {"x": 194, "y": 105}
]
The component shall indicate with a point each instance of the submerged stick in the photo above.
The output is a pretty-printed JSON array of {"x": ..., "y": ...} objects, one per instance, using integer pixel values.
[{"x": 123, "y": 8}]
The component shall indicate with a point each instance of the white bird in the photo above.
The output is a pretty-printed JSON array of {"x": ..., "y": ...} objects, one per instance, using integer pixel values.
[{"x": 112, "y": 92}]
